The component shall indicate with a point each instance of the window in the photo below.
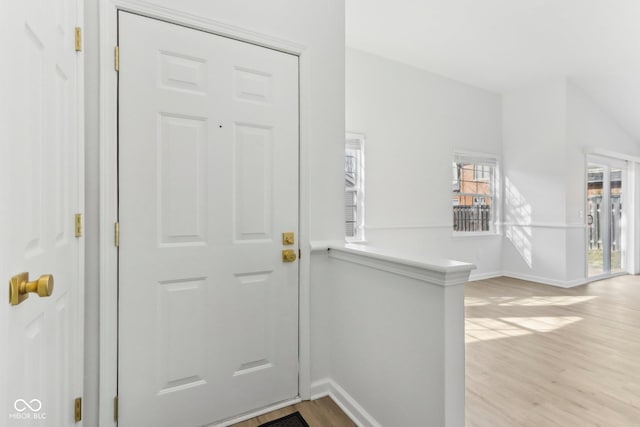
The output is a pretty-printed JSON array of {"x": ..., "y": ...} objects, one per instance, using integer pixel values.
[
  {"x": 473, "y": 197},
  {"x": 354, "y": 187},
  {"x": 482, "y": 172}
]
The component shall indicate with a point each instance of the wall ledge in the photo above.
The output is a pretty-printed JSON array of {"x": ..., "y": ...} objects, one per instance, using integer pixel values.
[
  {"x": 324, "y": 245},
  {"x": 561, "y": 225},
  {"x": 440, "y": 272}
]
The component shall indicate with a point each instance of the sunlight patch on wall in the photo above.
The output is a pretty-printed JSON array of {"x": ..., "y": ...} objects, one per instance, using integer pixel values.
[{"x": 518, "y": 221}]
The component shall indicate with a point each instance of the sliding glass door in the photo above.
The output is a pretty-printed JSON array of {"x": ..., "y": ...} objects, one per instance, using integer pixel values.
[{"x": 605, "y": 220}]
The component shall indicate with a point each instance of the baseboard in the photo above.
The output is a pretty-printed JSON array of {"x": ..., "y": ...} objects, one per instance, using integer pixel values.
[
  {"x": 328, "y": 387},
  {"x": 482, "y": 276},
  {"x": 320, "y": 388},
  {"x": 546, "y": 281}
]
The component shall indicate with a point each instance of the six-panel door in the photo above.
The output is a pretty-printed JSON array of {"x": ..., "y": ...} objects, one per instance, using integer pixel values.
[
  {"x": 208, "y": 182},
  {"x": 43, "y": 370}
]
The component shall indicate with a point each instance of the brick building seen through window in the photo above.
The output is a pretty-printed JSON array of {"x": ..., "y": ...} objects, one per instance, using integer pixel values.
[{"x": 473, "y": 194}]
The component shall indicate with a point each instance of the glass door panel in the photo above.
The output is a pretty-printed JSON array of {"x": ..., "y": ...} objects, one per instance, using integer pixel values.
[
  {"x": 605, "y": 238},
  {"x": 615, "y": 197},
  {"x": 595, "y": 195}
]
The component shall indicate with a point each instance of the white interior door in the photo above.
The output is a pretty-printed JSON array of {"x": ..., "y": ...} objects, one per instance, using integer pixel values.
[
  {"x": 41, "y": 351},
  {"x": 208, "y": 182}
]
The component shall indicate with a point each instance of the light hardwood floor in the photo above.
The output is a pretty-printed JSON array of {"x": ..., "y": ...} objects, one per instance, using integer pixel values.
[
  {"x": 317, "y": 413},
  {"x": 539, "y": 356},
  {"x": 544, "y": 356}
]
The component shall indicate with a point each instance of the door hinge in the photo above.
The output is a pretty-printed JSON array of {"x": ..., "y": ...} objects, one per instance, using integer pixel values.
[
  {"x": 78, "y": 225},
  {"x": 116, "y": 58},
  {"x": 115, "y": 409},
  {"x": 116, "y": 234},
  {"x": 78, "y": 33},
  {"x": 77, "y": 409},
  {"x": 299, "y": 254}
]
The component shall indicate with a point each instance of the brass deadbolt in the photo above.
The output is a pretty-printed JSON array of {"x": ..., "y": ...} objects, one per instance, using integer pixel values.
[{"x": 288, "y": 238}]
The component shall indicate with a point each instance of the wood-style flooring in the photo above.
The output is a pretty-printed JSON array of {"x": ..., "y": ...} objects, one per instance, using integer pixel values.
[
  {"x": 538, "y": 356},
  {"x": 317, "y": 413},
  {"x": 544, "y": 356}
]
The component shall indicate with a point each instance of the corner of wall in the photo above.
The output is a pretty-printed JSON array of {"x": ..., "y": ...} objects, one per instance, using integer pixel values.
[{"x": 328, "y": 387}]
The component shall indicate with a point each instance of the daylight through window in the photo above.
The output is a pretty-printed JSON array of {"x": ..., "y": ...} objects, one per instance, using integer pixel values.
[
  {"x": 354, "y": 187},
  {"x": 473, "y": 194}
]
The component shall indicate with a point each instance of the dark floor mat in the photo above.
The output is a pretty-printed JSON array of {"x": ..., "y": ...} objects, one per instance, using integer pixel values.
[{"x": 291, "y": 420}]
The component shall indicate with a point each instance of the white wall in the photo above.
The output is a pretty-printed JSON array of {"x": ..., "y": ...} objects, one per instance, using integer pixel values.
[
  {"x": 547, "y": 127},
  {"x": 396, "y": 337},
  {"x": 321, "y": 315},
  {"x": 319, "y": 25},
  {"x": 91, "y": 218},
  {"x": 413, "y": 121},
  {"x": 588, "y": 126},
  {"x": 388, "y": 350},
  {"x": 4, "y": 195},
  {"x": 534, "y": 159}
]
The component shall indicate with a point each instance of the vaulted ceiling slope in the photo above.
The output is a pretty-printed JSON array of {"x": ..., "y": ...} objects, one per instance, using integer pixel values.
[{"x": 501, "y": 45}]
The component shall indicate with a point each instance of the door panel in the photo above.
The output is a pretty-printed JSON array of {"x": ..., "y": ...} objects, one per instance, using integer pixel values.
[
  {"x": 43, "y": 370},
  {"x": 605, "y": 199},
  {"x": 208, "y": 181},
  {"x": 596, "y": 220},
  {"x": 616, "y": 200}
]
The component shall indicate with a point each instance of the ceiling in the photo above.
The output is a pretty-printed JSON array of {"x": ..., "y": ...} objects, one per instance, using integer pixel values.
[{"x": 500, "y": 45}]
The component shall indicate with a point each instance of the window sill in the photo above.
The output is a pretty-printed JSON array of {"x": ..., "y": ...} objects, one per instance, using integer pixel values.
[
  {"x": 467, "y": 234},
  {"x": 357, "y": 241}
]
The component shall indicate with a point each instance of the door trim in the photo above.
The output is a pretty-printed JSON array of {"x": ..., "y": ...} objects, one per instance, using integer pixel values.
[
  {"x": 629, "y": 194},
  {"x": 632, "y": 207},
  {"x": 108, "y": 183}
]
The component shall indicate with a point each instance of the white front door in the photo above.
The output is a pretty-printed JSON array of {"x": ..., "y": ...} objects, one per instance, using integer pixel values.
[
  {"x": 208, "y": 182},
  {"x": 41, "y": 338}
]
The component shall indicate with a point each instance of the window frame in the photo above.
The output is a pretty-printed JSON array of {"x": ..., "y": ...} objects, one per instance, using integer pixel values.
[
  {"x": 356, "y": 142},
  {"x": 483, "y": 160},
  {"x": 484, "y": 172}
]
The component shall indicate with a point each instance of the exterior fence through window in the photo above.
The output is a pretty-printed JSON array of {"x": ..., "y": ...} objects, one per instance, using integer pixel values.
[
  {"x": 594, "y": 220},
  {"x": 472, "y": 218}
]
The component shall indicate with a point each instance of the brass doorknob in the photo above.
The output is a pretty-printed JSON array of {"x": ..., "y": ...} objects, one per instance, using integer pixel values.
[{"x": 20, "y": 287}]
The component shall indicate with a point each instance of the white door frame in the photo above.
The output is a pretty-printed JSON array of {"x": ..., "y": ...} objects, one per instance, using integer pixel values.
[
  {"x": 631, "y": 193},
  {"x": 108, "y": 183},
  {"x": 606, "y": 218}
]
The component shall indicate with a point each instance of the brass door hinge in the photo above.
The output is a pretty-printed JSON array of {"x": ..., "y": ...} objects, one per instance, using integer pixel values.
[
  {"x": 78, "y": 225},
  {"x": 78, "y": 33},
  {"x": 116, "y": 234},
  {"x": 77, "y": 410},
  {"x": 116, "y": 58},
  {"x": 115, "y": 408}
]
